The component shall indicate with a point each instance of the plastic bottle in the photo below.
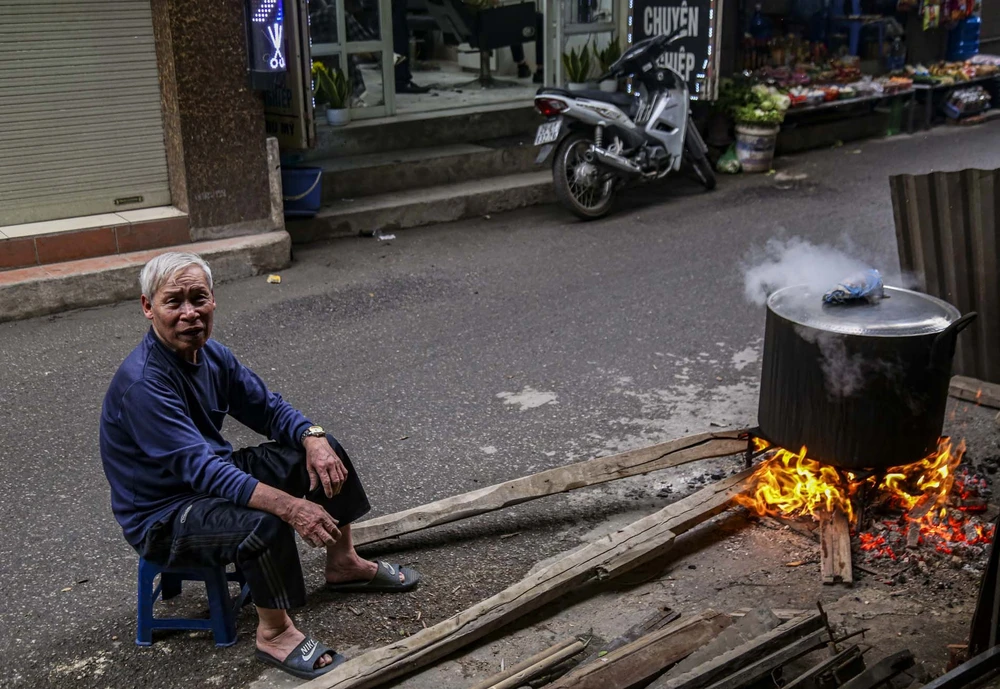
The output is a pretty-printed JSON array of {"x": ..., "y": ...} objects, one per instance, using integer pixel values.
[{"x": 963, "y": 40}]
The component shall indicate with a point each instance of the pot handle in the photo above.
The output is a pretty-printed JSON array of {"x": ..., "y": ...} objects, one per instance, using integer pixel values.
[{"x": 944, "y": 343}]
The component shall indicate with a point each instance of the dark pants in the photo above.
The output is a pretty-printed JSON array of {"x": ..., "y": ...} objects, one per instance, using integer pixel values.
[
  {"x": 209, "y": 531},
  {"x": 401, "y": 42},
  {"x": 517, "y": 50}
]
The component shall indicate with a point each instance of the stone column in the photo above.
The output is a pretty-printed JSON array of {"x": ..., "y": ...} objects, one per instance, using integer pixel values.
[{"x": 213, "y": 122}]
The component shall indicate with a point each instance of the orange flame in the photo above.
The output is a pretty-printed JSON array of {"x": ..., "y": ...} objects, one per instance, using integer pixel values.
[{"x": 791, "y": 485}]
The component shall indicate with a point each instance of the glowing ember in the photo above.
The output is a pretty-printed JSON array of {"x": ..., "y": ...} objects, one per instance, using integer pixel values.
[{"x": 791, "y": 485}]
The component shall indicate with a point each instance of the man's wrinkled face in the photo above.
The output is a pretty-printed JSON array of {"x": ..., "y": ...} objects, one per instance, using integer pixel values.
[{"x": 181, "y": 312}]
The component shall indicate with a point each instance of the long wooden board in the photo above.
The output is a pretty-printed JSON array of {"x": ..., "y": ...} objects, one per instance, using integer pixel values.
[
  {"x": 609, "y": 556},
  {"x": 646, "y": 657},
  {"x": 559, "y": 480}
]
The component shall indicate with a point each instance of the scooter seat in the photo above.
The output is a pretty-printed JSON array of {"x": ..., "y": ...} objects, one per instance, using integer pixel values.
[{"x": 623, "y": 100}]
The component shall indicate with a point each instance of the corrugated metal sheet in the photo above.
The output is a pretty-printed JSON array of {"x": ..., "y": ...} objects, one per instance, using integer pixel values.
[
  {"x": 80, "y": 120},
  {"x": 946, "y": 228}
]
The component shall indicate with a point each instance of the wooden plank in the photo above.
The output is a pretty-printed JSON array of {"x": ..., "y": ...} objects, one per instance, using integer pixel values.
[
  {"x": 976, "y": 391},
  {"x": 643, "y": 659},
  {"x": 807, "y": 678},
  {"x": 766, "y": 665},
  {"x": 783, "y": 614},
  {"x": 882, "y": 671},
  {"x": 611, "y": 555},
  {"x": 835, "y": 549},
  {"x": 533, "y": 666},
  {"x": 559, "y": 480},
  {"x": 743, "y": 655}
]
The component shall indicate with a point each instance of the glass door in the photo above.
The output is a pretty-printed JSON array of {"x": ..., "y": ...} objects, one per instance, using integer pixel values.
[
  {"x": 355, "y": 36},
  {"x": 580, "y": 25}
]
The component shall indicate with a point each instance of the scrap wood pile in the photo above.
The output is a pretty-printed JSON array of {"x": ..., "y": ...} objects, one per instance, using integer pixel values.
[{"x": 707, "y": 650}]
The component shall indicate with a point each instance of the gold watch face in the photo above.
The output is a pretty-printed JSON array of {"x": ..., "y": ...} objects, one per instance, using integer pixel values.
[{"x": 315, "y": 431}]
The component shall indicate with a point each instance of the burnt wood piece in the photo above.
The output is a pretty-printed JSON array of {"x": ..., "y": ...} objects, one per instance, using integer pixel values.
[
  {"x": 835, "y": 549},
  {"x": 559, "y": 480},
  {"x": 809, "y": 678},
  {"x": 977, "y": 391},
  {"x": 744, "y": 655},
  {"x": 636, "y": 663},
  {"x": 766, "y": 665},
  {"x": 518, "y": 674},
  {"x": 655, "y": 622},
  {"x": 914, "y": 516},
  {"x": 971, "y": 673},
  {"x": 607, "y": 557},
  {"x": 882, "y": 671}
]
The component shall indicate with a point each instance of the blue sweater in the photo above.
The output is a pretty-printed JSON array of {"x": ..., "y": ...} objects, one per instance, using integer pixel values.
[{"x": 160, "y": 431}]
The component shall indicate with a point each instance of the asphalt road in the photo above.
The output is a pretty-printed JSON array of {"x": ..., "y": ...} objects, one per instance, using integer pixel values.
[{"x": 449, "y": 358}]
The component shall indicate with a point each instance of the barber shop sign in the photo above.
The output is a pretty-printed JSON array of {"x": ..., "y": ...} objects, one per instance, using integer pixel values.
[{"x": 694, "y": 56}]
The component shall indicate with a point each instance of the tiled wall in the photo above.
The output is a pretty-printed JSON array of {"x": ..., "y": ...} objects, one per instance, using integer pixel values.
[{"x": 78, "y": 238}]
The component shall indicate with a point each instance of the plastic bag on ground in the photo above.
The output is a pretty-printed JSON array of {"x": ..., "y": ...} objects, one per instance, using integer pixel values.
[{"x": 728, "y": 163}]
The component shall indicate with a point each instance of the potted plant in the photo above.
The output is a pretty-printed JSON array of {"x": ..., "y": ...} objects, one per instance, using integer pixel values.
[
  {"x": 606, "y": 57},
  {"x": 758, "y": 120},
  {"x": 334, "y": 91},
  {"x": 577, "y": 68}
]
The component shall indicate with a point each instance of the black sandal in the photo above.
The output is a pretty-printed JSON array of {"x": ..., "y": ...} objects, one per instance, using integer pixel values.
[{"x": 301, "y": 662}]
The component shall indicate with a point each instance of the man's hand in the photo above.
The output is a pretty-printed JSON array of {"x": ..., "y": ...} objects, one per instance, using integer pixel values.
[
  {"x": 324, "y": 466},
  {"x": 313, "y": 523}
]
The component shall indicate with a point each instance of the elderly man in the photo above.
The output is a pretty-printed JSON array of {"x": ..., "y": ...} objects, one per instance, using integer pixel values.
[{"x": 183, "y": 497}]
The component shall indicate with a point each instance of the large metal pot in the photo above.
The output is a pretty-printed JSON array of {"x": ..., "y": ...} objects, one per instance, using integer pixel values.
[{"x": 861, "y": 386}]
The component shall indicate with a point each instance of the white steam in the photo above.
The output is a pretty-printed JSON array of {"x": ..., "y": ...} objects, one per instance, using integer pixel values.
[{"x": 785, "y": 262}]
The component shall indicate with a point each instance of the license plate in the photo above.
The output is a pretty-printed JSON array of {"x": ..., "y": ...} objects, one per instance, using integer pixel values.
[{"x": 548, "y": 132}]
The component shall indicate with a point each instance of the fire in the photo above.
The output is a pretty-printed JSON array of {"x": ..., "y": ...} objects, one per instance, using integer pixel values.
[
  {"x": 791, "y": 485},
  {"x": 928, "y": 481}
]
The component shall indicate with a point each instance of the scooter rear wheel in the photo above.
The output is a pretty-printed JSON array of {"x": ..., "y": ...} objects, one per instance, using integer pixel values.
[
  {"x": 699, "y": 161},
  {"x": 582, "y": 187}
]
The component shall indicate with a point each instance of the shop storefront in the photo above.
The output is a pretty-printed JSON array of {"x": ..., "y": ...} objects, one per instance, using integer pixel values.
[
  {"x": 79, "y": 110},
  {"x": 889, "y": 65}
]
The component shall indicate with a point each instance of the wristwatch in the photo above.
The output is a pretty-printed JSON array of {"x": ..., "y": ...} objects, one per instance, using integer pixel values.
[{"x": 313, "y": 431}]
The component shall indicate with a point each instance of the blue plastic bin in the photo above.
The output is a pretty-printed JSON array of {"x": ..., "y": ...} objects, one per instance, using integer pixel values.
[
  {"x": 302, "y": 190},
  {"x": 963, "y": 40}
]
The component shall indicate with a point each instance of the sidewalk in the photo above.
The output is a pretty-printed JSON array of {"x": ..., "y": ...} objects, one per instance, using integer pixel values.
[{"x": 41, "y": 290}]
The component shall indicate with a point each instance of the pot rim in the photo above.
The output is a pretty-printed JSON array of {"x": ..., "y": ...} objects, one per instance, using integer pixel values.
[{"x": 953, "y": 314}]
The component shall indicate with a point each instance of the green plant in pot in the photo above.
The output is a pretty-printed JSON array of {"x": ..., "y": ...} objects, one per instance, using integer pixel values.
[
  {"x": 577, "y": 68},
  {"x": 606, "y": 57},
  {"x": 758, "y": 116},
  {"x": 333, "y": 90}
]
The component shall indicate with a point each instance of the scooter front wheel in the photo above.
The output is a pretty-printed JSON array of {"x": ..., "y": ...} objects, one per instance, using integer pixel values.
[{"x": 582, "y": 187}]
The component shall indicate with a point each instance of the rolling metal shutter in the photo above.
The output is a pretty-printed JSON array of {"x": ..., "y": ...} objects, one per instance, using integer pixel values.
[{"x": 81, "y": 130}]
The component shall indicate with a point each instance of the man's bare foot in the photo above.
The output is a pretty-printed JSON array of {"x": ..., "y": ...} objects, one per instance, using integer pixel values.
[
  {"x": 351, "y": 569},
  {"x": 279, "y": 642}
]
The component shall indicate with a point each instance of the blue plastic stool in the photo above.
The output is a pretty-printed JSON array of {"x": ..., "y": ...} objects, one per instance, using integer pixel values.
[{"x": 222, "y": 607}]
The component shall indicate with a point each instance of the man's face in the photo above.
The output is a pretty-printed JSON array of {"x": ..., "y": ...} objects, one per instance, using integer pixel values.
[{"x": 181, "y": 312}]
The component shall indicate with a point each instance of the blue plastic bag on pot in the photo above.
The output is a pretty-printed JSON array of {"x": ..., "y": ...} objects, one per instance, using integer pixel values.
[{"x": 865, "y": 285}]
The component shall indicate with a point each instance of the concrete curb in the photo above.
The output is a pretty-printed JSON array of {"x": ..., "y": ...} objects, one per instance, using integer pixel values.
[
  {"x": 447, "y": 203},
  {"x": 357, "y": 177},
  {"x": 42, "y": 290}
]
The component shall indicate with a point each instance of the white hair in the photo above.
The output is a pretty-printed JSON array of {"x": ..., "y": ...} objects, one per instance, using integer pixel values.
[{"x": 161, "y": 268}]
